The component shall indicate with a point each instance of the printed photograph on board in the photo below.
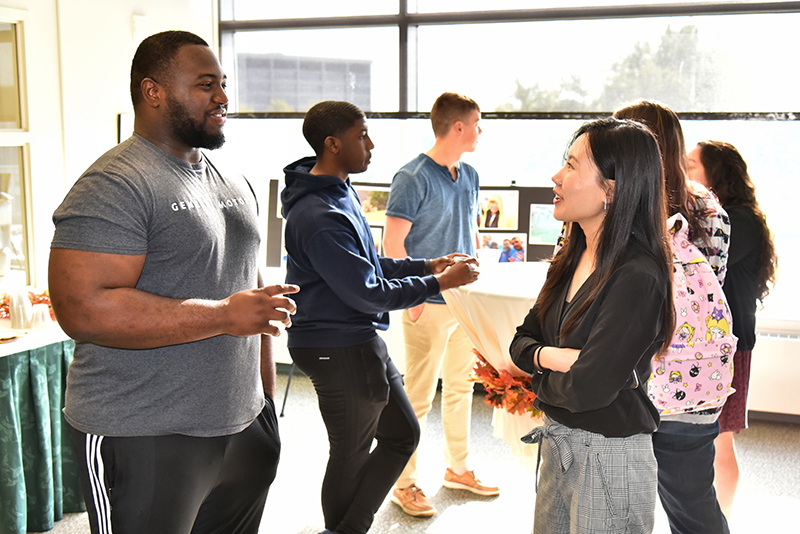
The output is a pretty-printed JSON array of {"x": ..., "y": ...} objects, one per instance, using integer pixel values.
[
  {"x": 543, "y": 228},
  {"x": 502, "y": 247},
  {"x": 498, "y": 209},
  {"x": 377, "y": 237},
  {"x": 373, "y": 202}
]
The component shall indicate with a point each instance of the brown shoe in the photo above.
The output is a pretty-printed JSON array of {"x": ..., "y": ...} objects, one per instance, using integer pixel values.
[
  {"x": 468, "y": 481},
  {"x": 413, "y": 501}
]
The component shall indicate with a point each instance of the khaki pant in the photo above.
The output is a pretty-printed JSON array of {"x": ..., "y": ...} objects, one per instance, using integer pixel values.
[{"x": 434, "y": 343}]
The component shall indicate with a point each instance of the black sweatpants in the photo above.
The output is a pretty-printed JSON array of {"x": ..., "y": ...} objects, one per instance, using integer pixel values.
[
  {"x": 178, "y": 484},
  {"x": 362, "y": 400}
]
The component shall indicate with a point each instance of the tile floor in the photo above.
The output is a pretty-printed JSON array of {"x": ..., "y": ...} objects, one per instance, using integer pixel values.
[{"x": 769, "y": 490}]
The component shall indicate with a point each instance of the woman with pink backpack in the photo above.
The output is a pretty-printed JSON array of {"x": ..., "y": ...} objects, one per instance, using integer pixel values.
[{"x": 684, "y": 442}]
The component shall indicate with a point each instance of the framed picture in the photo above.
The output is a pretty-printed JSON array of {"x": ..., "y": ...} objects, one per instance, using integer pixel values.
[
  {"x": 499, "y": 209},
  {"x": 124, "y": 126},
  {"x": 543, "y": 228},
  {"x": 502, "y": 247},
  {"x": 373, "y": 199},
  {"x": 536, "y": 218},
  {"x": 377, "y": 237}
]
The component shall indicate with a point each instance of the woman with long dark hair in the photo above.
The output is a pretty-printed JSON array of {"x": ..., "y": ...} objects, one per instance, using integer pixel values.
[
  {"x": 605, "y": 310},
  {"x": 684, "y": 443},
  {"x": 752, "y": 265}
]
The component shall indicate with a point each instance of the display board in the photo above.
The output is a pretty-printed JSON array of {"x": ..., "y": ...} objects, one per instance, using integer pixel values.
[{"x": 514, "y": 223}]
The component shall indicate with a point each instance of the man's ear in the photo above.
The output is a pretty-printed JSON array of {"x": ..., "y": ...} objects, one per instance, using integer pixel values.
[
  {"x": 332, "y": 144},
  {"x": 152, "y": 92}
]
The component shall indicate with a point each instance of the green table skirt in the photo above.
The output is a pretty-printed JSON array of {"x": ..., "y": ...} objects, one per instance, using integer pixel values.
[{"x": 38, "y": 477}]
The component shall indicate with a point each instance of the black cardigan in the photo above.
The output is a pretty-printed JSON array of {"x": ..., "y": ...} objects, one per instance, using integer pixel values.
[
  {"x": 621, "y": 331},
  {"x": 740, "y": 285}
]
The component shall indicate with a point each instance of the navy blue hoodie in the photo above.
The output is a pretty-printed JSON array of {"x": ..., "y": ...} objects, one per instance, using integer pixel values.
[{"x": 346, "y": 289}]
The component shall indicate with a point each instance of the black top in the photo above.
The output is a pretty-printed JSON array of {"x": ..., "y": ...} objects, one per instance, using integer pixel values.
[
  {"x": 619, "y": 333},
  {"x": 740, "y": 285}
]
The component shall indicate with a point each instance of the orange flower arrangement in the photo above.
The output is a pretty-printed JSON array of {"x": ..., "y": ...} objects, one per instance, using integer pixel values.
[{"x": 503, "y": 390}]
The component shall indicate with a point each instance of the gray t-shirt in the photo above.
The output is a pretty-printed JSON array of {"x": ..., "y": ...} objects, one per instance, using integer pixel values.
[{"x": 199, "y": 231}]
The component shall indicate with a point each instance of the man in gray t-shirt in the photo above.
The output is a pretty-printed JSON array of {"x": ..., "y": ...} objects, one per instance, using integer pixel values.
[{"x": 154, "y": 273}]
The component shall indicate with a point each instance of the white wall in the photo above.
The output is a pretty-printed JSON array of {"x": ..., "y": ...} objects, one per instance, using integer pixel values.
[
  {"x": 44, "y": 121},
  {"x": 78, "y": 70},
  {"x": 97, "y": 42}
]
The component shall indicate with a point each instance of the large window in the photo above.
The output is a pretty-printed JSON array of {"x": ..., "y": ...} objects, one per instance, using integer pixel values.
[
  {"x": 537, "y": 74},
  {"x": 291, "y": 70},
  {"x": 695, "y": 64}
]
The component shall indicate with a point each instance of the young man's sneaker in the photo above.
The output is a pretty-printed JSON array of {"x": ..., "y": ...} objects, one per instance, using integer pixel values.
[
  {"x": 413, "y": 501},
  {"x": 468, "y": 481}
]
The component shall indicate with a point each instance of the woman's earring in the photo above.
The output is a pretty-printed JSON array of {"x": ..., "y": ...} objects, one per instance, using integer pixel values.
[{"x": 605, "y": 205}]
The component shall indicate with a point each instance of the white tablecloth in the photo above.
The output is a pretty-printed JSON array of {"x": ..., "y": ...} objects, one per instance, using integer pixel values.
[
  {"x": 29, "y": 339},
  {"x": 489, "y": 310}
]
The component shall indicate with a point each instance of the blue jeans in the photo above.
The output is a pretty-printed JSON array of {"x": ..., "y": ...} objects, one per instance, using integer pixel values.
[
  {"x": 361, "y": 398},
  {"x": 685, "y": 455}
]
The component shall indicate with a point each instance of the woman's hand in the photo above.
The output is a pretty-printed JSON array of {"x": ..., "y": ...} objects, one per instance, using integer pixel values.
[{"x": 557, "y": 359}]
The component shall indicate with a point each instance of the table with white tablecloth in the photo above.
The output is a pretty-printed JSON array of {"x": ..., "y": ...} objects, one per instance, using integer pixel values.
[{"x": 489, "y": 310}]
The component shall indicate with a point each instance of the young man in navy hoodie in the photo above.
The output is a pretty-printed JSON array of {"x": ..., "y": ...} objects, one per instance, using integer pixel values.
[{"x": 346, "y": 293}]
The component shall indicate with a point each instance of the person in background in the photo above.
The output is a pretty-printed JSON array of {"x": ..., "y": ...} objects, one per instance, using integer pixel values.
[
  {"x": 154, "y": 273},
  {"x": 684, "y": 443},
  {"x": 506, "y": 252},
  {"x": 752, "y": 266},
  {"x": 347, "y": 292},
  {"x": 436, "y": 194},
  {"x": 517, "y": 252},
  {"x": 492, "y": 217},
  {"x": 609, "y": 283}
]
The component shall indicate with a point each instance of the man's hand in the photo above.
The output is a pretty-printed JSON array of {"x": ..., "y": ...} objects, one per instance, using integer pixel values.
[
  {"x": 440, "y": 264},
  {"x": 464, "y": 270},
  {"x": 252, "y": 311}
]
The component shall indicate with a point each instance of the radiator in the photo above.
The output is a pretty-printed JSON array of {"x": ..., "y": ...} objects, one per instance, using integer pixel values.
[{"x": 775, "y": 373}]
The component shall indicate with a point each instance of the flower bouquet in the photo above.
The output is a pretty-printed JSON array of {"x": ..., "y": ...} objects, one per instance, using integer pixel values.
[{"x": 503, "y": 390}]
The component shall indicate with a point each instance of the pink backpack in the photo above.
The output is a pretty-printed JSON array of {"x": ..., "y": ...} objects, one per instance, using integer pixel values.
[{"x": 696, "y": 373}]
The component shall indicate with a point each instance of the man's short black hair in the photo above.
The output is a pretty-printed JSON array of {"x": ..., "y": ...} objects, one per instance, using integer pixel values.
[
  {"x": 329, "y": 118},
  {"x": 154, "y": 57}
]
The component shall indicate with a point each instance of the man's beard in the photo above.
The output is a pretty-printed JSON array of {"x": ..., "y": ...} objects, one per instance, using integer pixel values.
[{"x": 188, "y": 131}]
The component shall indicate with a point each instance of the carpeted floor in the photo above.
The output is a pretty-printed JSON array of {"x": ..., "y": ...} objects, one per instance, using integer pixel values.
[{"x": 769, "y": 489}]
